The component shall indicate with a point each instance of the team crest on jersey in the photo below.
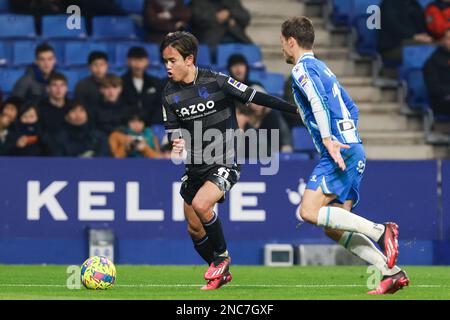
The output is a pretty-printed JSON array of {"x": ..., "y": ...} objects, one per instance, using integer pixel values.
[
  {"x": 238, "y": 85},
  {"x": 203, "y": 92},
  {"x": 303, "y": 80}
]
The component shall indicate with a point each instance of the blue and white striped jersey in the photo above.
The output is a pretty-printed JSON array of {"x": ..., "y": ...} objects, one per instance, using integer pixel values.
[{"x": 325, "y": 107}]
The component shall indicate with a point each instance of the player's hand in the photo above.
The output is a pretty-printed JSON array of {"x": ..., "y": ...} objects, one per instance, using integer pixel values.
[
  {"x": 178, "y": 146},
  {"x": 334, "y": 149}
]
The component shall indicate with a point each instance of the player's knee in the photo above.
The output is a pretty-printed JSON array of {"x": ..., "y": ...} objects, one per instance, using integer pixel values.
[
  {"x": 308, "y": 215},
  {"x": 201, "y": 206}
]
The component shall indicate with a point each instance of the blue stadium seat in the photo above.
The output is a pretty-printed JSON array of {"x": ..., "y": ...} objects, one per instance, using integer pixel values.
[
  {"x": 16, "y": 26},
  {"x": 54, "y": 27},
  {"x": 250, "y": 51},
  {"x": 367, "y": 39},
  {"x": 425, "y": 3},
  {"x": 72, "y": 78},
  {"x": 113, "y": 28},
  {"x": 414, "y": 57},
  {"x": 4, "y": 5},
  {"x": 158, "y": 71},
  {"x": 76, "y": 53},
  {"x": 159, "y": 131},
  {"x": 417, "y": 96},
  {"x": 5, "y": 55},
  {"x": 301, "y": 140},
  {"x": 272, "y": 82},
  {"x": 204, "y": 56},
  {"x": 121, "y": 52},
  {"x": 23, "y": 52},
  {"x": 340, "y": 15},
  {"x": 131, "y": 6},
  {"x": 8, "y": 77}
]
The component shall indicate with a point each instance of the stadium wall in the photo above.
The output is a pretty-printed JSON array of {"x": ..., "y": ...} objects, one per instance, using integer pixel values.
[{"x": 47, "y": 206}]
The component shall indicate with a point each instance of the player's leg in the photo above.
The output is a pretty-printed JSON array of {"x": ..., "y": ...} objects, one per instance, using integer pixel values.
[
  {"x": 203, "y": 204},
  {"x": 202, "y": 244}
]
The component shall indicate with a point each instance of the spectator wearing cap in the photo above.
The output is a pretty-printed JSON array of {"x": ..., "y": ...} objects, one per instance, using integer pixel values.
[
  {"x": 164, "y": 16},
  {"x": 53, "y": 108},
  {"x": 135, "y": 140},
  {"x": 140, "y": 90},
  {"x": 27, "y": 138},
  {"x": 438, "y": 18},
  {"x": 110, "y": 113},
  {"x": 437, "y": 77},
  {"x": 79, "y": 138},
  {"x": 32, "y": 86},
  {"x": 87, "y": 90}
]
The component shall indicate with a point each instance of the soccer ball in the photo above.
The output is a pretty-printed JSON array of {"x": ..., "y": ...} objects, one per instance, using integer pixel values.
[{"x": 98, "y": 273}]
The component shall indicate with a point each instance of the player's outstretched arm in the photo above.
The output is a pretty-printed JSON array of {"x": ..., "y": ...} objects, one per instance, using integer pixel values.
[{"x": 269, "y": 101}]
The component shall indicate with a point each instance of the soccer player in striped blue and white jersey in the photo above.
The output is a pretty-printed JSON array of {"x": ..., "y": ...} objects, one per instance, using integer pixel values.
[{"x": 331, "y": 117}]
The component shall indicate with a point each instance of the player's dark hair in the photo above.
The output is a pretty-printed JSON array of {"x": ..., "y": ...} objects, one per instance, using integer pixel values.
[
  {"x": 184, "y": 42},
  {"x": 43, "y": 47},
  {"x": 97, "y": 55},
  {"x": 301, "y": 29}
]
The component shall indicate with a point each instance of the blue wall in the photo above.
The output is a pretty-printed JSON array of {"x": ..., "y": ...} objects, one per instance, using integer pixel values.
[{"x": 261, "y": 211}]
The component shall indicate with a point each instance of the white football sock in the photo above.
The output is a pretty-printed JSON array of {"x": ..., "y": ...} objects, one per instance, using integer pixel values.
[
  {"x": 361, "y": 246},
  {"x": 340, "y": 219}
]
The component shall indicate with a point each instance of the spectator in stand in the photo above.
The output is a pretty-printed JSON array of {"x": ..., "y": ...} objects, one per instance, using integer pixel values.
[
  {"x": 403, "y": 22},
  {"x": 269, "y": 119},
  {"x": 164, "y": 16},
  {"x": 135, "y": 140},
  {"x": 32, "y": 86},
  {"x": 79, "y": 138},
  {"x": 239, "y": 69},
  {"x": 87, "y": 90},
  {"x": 437, "y": 77},
  {"x": 438, "y": 18},
  {"x": 110, "y": 113},
  {"x": 27, "y": 138},
  {"x": 52, "y": 109},
  {"x": 219, "y": 21},
  {"x": 8, "y": 115},
  {"x": 140, "y": 90}
]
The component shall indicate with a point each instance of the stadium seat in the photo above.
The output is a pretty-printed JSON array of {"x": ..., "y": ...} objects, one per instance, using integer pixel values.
[
  {"x": 4, "y": 5},
  {"x": 131, "y": 6},
  {"x": 17, "y": 26},
  {"x": 340, "y": 15},
  {"x": 272, "y": 82},
  {"x": 23, "y": 52},
  {"x": 121, "y": 52},
  {"x": 8, "y": 77},
  {"x": 250, "y": 51},
  {"x": 302, "y": 141},
  {"x": 204, "y": 56},
  {"x": 159, "y": 131},
  {"x": 54, "y": 27},
  {"x": 76, "y": 53},
  {"x": 5, "y": 56},
  {"x": 113, "y": 28},
  {"x": 425, "y": 3},
  {"x": 366, "y": 39},
  {"x": 158, "y": 71},
  {"x": 72, "y": 79},
  {"x": 414, "y": 57}
]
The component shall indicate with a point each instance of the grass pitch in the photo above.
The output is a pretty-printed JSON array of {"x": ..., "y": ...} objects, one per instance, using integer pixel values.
[{"x": 249, "y": 282}]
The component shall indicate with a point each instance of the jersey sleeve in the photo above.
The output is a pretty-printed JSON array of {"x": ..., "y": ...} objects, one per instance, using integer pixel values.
[
  {"x": 170, "y": 120},
  {"x": 236, "y": 89},
  {"x": 307, "y": 80}
]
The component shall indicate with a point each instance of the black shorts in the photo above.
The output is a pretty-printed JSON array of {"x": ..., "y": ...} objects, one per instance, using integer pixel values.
[{"x": 223, "y": 177}]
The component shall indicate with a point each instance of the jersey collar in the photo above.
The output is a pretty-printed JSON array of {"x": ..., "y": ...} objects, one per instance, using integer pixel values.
[{"x": 307, "y": 55}]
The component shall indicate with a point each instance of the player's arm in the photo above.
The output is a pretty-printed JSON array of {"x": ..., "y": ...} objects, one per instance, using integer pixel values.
[
  {"x": 173, "y": 128},
  {"x": 308, "y": 81},
  {"x": 246, "y": 95}
]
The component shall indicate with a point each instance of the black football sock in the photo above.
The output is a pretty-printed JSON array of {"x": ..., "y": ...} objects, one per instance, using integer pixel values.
[
  {"x": 205, "y": 249},
  {"x": 214, "y": 232}
]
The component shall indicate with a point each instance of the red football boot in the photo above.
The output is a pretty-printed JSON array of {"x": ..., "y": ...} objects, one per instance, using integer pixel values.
[
  {"x": 217, "y": 283},
  {"x": 389, "y": 243},
  {"x": 218, "y": 268},
  {"x": 391, "y": 284}
]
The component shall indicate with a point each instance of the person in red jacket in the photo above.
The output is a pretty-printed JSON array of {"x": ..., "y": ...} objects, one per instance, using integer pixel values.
[{"x": 438, "y": 18}]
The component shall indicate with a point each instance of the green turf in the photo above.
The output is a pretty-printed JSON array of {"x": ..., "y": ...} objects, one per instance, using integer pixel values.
[{"x": 250, "y": 282}]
